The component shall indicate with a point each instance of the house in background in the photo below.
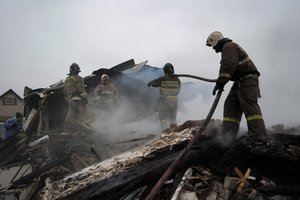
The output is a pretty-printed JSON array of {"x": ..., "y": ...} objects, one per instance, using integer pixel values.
[{"x": 10, "y": 103}]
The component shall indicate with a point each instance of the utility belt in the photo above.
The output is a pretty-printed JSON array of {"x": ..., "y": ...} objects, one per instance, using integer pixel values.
[
  {"x": 106, "y": 93},
  {"x": 246, "y": 77},
  {"x": 76, "y": 98},
  {"x": 169, "y": 98}
]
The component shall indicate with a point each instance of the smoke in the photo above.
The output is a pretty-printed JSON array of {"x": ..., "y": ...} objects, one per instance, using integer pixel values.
[
  {"x": 192, "y": 109},
  {"x": 195, "y": 100},
  {"x": 279, "y": 68},
  {"x": 122, "y": 122},
  {"x": 125, "y": 121}
]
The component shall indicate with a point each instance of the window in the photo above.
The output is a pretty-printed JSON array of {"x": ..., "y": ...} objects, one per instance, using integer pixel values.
[{"x": 9, "y": 101}]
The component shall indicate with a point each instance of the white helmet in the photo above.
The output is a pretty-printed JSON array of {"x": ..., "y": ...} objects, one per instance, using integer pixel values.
[
  {"x": 214, "y": 38},
  {"x": 104, "y": 77}
]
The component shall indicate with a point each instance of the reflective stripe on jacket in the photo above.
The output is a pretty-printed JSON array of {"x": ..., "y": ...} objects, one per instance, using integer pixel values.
[
  {"x": 74, "y": 87},
  {"x": 109, "y": 89},
  {"x": 235, "y": 63},
  {"x": 169, "y": 88},
  {"x": 169, "y": 85}
]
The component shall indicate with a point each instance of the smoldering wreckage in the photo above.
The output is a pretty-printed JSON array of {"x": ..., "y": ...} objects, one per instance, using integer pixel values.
[{"x": 188, "y": 161}]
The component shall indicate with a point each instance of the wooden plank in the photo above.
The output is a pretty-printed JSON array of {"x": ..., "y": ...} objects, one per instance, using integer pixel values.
[{"x": 28, "y": 120}]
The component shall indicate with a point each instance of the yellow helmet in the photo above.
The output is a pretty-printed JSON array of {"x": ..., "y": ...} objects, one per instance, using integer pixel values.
[{"x": 214, "y": 38}]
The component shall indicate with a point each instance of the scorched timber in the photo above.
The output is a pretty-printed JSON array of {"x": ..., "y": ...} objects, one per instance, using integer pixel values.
[
  {"x": 129, "y": 168},
  {"x": 143, "y": 166}
]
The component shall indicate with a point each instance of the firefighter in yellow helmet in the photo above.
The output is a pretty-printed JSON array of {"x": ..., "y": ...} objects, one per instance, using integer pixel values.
[
  {"x": 106, "y": 93},
  {"x": 169, "y": 89},
  {"x": 238, "y": 67},
  {"x": 75, "y": 95}
]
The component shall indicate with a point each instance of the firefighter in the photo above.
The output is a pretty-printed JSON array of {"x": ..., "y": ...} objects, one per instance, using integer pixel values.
[
  {"x": 237, "y": 66},
  {"x": 13, "y": 126},
  {"x": 106, "y": 93},
  {"x": 169, "y": 89},
  {"x": 75, "y": 95}
]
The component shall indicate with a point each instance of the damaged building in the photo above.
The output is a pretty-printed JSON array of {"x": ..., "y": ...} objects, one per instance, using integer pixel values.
[{"x": 45, "y": 162}]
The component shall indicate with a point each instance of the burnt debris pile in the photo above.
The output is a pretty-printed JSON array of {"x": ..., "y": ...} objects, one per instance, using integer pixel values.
[{"x": 47, "y": 162}]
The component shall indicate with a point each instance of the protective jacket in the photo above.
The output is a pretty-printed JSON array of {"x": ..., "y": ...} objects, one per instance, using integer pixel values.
[
  {"x": 12, "y": 127},
  {"x": 169, "y": 86},
  {"x": 74, "y": 88},
  {"x": 243, "y": 96},
  {"x": 109, "y": 89},
  {"x": 235, "y": 63},
  {"x": 169, "y": 89},
  {"x": 106, "y": 95}
]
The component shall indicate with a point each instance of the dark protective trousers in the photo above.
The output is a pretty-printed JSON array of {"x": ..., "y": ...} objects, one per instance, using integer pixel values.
[{"x": 242, "y": 98}]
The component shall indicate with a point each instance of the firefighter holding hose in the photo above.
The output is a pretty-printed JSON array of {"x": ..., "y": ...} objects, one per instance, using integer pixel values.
[
  {"x": 238, "y": 67},
  {"x": 169, "y": 86}
]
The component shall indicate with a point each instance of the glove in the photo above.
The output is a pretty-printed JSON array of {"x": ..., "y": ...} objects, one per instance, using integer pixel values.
[{"x": 217, "y": 87}]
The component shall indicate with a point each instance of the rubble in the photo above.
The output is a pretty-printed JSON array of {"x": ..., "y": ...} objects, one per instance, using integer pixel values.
[
  {"x": 214, "y": 170},
  {"x": 82, "y": 164},
  {"x": 142, "y": 167}
]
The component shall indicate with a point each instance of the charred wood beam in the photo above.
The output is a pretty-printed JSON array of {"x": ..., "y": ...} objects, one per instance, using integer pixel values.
[
  {"x": 276, "y": 165},
  {"x": 31, "y": 125},
  {"x": 289, "y": 190},
  {"x": 29, "y": 178},
  {"x": 78, "y": 158},
  {"x": 93, "y": 150},
  {"x": 10, "y": 148},
  {"x": 144, "y": 173},
  {"x": 129, "y": 180},
  {"x": 268, "y": 157},
  {"x": 37, "y": 187},
  {"x": 176, "y": 181}
]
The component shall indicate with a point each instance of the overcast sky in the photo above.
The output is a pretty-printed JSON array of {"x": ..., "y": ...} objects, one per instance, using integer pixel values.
[{"x": 39, "y": 39}]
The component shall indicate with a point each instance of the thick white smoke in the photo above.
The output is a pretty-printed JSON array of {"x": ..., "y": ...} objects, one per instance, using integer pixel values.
[{"x": 122, "y": 122}]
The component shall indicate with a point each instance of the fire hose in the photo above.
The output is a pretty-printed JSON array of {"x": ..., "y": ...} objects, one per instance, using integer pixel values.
[
  {"x": 196, "y": 77},
  {"x": 172, "y": 168}
]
